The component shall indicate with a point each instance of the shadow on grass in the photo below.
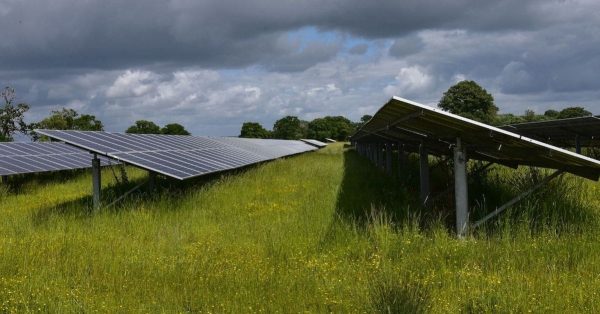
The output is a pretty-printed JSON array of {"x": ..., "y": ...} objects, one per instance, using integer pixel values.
[
  {"x": 165, "y": 189},
  {"x": 16, "y": 184},
  {"x": 367, "y": 191}
]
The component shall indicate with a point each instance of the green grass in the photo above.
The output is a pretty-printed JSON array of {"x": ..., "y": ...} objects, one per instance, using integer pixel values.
[{"x": 319, "y": 232}]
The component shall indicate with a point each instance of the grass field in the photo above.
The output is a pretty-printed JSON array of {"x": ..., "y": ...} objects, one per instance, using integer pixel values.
[{"x": 319, "y": 232}]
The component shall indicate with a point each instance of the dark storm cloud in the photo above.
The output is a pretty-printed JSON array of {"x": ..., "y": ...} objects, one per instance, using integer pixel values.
[
  {"x": 214, "y": 64},
  {"x": 118, "y": 34}
]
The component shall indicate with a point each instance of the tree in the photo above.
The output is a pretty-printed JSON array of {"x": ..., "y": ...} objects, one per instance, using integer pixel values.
[
  {"x": 254, "y": 130},
  {"x": 363, "y": 120},
  {"x": 11, "y": 116},
  {"x": 337, "y": 127},
  {"x": 529, "y": 115},
  {"x": 289, "y": 128},
  {"x": 573, "y": 112},
  {"x": 69, "y": 119},
  {"x": 173, "y": 129},
  {"x": 143, "y": 127},
  {"x": 552, "y": 114},
  {"x": 469, "y": 100}
]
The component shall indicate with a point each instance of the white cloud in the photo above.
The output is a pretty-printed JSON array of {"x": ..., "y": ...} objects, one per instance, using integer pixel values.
[
  {"x": 132, "y": 84},
  {"x": 409, "y": 81}
]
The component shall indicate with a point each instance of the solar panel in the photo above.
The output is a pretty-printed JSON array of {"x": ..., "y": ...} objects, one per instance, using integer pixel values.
[
  {"x": 562, "y": 132},
  {"x": 316, "y": 143},
  {"x": 412, "y": 123},
  {"x": 21, "y": 158},
  {"x": 180, "y": 156}
]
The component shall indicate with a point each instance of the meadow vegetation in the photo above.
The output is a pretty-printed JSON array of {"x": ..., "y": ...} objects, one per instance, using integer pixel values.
[{"x": 319, "y": 232}]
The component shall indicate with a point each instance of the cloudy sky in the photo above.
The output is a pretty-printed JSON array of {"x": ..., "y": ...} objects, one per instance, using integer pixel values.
[{"x": 212, "y": 64}]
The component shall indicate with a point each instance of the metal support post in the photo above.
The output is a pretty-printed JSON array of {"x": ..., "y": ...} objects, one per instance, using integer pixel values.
[
  {"x": 381, "y": 156},
  {"x": 424, "y": 171},
  {"x": 96, "y": 182},
  {"x": 461, "y": 189},
  {"x": 401, "y": 158},
  {"x": 377, "y": 156},
  {"x": 151, "y": 180},
  {"x": 373, "y": 153},
  {"x": 388, "y": 158}
]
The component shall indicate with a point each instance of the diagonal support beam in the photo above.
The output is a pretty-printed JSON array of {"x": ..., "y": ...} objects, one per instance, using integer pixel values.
[{"x": 518, "y": 198}]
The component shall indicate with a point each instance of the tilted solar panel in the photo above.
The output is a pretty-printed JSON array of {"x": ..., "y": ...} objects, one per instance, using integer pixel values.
[
  {"x": 316, "y": 143},
  {"x": 21, "y": 158},
  {"x": 408, "y": 122},
  {"x": 180, "y": 156}
]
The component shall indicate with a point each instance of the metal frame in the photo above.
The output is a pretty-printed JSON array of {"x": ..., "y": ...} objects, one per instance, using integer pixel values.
[
  {"x": 424, "y": 174},
  {"x": 517, "y": 198},
  {"x": 456, "y": 142},
  {"x": 374, "y": 152},
  {"x": 461, "y": 191}
]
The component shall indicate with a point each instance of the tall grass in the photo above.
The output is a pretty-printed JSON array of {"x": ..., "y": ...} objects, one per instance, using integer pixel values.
[{"x": 320, "y": 232}]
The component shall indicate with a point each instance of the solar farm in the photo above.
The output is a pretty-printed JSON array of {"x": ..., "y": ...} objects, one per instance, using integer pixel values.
[{"x": 421, "y": 211}]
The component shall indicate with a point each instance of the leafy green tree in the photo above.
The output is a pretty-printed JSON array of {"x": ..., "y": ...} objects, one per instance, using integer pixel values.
[
  {"x": 552, "y": 114},
  {"x": 573, "y": 112},
  {"x": 508, "y": 118},
  {"x": 11, "y": 116},
  {"x": 254, "y": 130},
  {"x": 529, "y": 115},
  {"x": 363, "y": 120},
  {"x": 469, "y": 100},
  {"x": 337, "y": 127},
  {"x": 289, "y": 128},
  {"x": 143, "y": 127},
  {"x": 174, "y": 129},
  {"x": 69, "y": 119}
]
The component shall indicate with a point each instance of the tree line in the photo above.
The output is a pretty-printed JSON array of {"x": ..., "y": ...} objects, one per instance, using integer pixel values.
[
  {"x": 466, "y": 98},
  {"x": 12, "y": 121},
  {"x": 292, "y": 128}
]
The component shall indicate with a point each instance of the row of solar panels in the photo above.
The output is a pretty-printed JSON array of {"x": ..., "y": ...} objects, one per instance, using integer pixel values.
[
  {"x": 413, "y": 124},
  {"x": 21, "y": 158},
  {"x": 572, "y": 132},
  {"x": 180, "y": 157}
]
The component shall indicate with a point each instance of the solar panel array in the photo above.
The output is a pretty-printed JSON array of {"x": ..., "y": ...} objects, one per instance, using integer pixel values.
[
  {"x": 21, "y": 158},
  {"x": 413, "y": 124},
  {"x": 316, "y": 143},
  {"x": 562, "y": 132},
  {"x": 180, "y": 156}
]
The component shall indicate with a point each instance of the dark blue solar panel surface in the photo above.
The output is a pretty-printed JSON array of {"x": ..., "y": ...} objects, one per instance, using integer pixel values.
[
  {"x": 180, "y": 156},
  {"x": 20, "y": 158}
]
